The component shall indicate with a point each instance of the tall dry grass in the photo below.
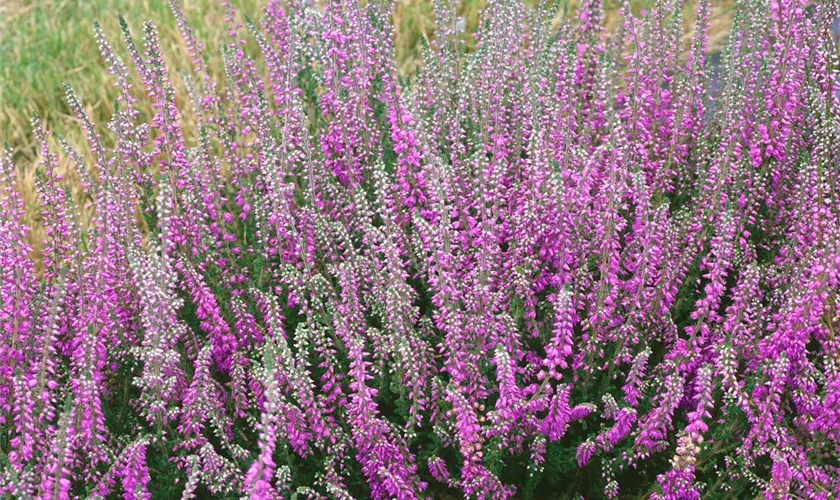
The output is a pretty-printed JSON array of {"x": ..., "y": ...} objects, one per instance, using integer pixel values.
[{"x": 44, "y": 43}]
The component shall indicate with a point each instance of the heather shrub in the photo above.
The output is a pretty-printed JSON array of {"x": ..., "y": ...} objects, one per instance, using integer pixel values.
[{"x": 559, "y": 261}]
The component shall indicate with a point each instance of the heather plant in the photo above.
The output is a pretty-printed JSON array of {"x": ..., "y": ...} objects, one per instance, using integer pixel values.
[{"x": 557, "y": 261}]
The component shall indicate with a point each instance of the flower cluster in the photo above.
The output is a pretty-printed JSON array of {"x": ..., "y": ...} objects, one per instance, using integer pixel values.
[{"x": 562, "y": 258}]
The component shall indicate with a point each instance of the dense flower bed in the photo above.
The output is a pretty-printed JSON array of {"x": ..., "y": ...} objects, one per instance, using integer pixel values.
[{"x": 572, "y": 262}]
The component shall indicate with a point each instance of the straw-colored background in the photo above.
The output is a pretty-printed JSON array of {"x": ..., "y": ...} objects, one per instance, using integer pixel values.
[{"x": 46, "y": 42}]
